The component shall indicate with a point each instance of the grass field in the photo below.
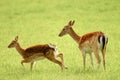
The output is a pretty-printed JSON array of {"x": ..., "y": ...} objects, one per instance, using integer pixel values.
[{"x": 40, "y": 21}]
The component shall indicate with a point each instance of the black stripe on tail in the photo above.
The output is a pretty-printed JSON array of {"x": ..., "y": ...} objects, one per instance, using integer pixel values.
[{"x": 101, "y": 40}]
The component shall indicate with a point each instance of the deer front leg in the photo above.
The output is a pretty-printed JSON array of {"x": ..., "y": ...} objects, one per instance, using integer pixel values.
[
  {"x": 84, "y": 58},
  {"x": 31, "y": 65},
  {"x": 27, "y": 60},
  {"x": 83, "y": 55}
]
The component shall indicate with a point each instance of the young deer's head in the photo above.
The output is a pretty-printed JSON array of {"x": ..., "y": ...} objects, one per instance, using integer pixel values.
[
  {"x": 13, "y": 43},
  {"x": 66, "y": 28}
]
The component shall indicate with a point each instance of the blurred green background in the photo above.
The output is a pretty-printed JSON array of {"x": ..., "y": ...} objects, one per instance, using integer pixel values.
[{"x": 40, "y": 21}]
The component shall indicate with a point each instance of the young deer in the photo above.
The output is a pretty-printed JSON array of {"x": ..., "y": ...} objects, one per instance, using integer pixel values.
[
  {"x": 34, "y": 53},
  {"x": 88, "y": 43}
]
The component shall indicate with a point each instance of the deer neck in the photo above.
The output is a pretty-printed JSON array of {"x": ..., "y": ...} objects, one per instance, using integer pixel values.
[
  {"x": 19, "y": 49},
  {"x": 73, "y": 34}
]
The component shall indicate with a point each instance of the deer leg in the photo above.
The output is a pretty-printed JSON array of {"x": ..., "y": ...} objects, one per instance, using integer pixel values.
[
  {"x": 22, "y": 63},
  {"x": 27, "y": 60},
  {"x": 97, "y": 57},
  {"x": 91, "y": 58},
  {"x": 84, "y": 59},
  {"x": 61, "y": 57},
  {"x": 55, "y": 61},
  {"x": 31, "y": 65},
  {"x": 103, "y": 54},
  {"x": 84, "y": 56}
]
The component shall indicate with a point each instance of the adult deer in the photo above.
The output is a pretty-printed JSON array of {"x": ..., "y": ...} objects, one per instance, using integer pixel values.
[
  {"x": 88, "y": 43},
  {"x": 34, "y": 53}
]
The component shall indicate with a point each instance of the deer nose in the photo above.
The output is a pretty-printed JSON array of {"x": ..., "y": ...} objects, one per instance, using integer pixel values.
[
  {"x": 8, "y": 46},
  {"x": 59, "y": 35}
]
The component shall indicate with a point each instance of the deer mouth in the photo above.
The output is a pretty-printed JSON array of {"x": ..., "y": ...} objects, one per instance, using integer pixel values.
[
  {"x": 60, "y": 35},
  {"x": 8, "y": 46}
]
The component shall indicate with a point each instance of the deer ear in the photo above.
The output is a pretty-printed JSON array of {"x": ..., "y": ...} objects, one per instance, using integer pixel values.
[
  {"x": 73, "y": 22},
  {"x": 16, "y": 38},
  {"x": 70, "y": 23}
]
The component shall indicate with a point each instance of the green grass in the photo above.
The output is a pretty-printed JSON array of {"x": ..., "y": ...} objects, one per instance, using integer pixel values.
[{"x": 40, "y": 21}]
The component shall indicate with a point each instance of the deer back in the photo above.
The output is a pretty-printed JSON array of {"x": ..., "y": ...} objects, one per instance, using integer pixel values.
[{"x": 43, "y": 49}]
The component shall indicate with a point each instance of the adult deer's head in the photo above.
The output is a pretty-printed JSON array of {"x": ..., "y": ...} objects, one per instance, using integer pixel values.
[{"x": 66, "y": 28}]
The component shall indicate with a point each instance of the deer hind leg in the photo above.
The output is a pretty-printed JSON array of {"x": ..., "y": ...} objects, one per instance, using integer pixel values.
[
  {"x": 55, "y": 61},
  {"x": 103, "y": 54},
  {"x": 50, "y": 56},
  {"x": 61, "y": 57},
  {"x": 97, "y": 56}
]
